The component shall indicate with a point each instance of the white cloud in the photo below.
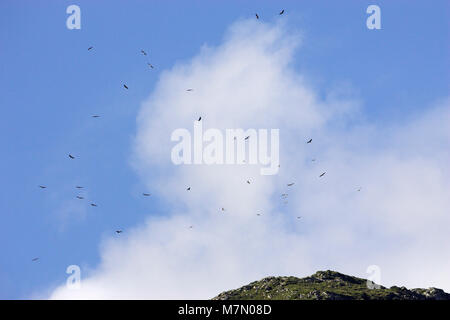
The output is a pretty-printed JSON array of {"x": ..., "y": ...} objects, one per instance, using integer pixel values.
[{"x": 399, "y": 220}]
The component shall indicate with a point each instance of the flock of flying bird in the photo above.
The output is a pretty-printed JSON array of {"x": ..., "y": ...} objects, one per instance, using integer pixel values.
[{"x": 79, "y": 197}]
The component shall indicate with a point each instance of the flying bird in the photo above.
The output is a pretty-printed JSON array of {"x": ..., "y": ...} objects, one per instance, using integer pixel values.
[
  {"x": 313, "y": 160},
  {"x": 246, "y": 138},
  {"x": 322, "y": 175},
  {"x": 71, "y": 156},
  {"x": 93, "y": 204},
  {"x": 309, "y": 141},
  {"x": 78, "y": 187},
  {"x": 119, "y": 231},
  {"x": 146, "y": 194},
  {"x": 257, "y": 17},
  {"x": 282, "y": 11},
  {"x": 190, "y": 90},
  {"x": 298, "y": 217},
  {"x": 125, "y": 86},
  {"x": 248, "y": 181},
  {"x": 150, "y": 65},
  {"x": 35, "y": 259},
  {"x": 189, "y": 188},
  {"x": 223, "y": 209},
  {"x": 90, "y": 48},
  {"x": 190, "y": 227},
  {"x": 81, "y": 198},
  {"x": 359, "y": 189},
  {"x": 42, "y": 187},
  {"x": 199, "y": 118},
  {"x": 143, "y": 52},
  {"x": 290, "y": 184},
  {"x": 95, "y": 116},
  {"x": 258, "y": 214}
]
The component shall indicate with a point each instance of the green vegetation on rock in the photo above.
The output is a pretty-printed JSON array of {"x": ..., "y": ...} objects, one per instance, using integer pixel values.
[{"x": 326, "y": 285}]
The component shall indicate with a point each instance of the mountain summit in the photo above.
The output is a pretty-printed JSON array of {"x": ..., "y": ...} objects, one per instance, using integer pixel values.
[{"x": 327, "y": 285}]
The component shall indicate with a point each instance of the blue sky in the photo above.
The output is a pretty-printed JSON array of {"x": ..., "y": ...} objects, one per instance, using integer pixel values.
[{"x": 51, "y": 85}]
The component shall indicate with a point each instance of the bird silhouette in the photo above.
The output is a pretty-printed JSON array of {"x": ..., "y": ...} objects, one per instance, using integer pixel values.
[
  {"x": 119, "y": 231},
  {"x": 35, "y": 259},
  {"x": 71, "y": 156},
  {"x": 42, "y": 187},
  {"x": 189, "y": 188},
  {"x": 190, "y": 90},
  {"x": 146, "y": 194},
  {"x": 143, "y": 52},
  {"x": 290, "y": 184},
  {"x": 81, "y": 198},
  {"x": 150, "y": 65},
  {"x": 282, "y": 11},
  {"x": 93, "y": 204},
  {"x": 322, "y": 175},
  {"x": 90, "y": 48},
  {"x": 95, "y": 116},
  {"x": 257, "y": 17},
  {"x": 200, "y": 118},
  {"x": 79, "y": 187},
  {"x": 309, "y": 141},
  {"x": 125, "y": 86}
]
